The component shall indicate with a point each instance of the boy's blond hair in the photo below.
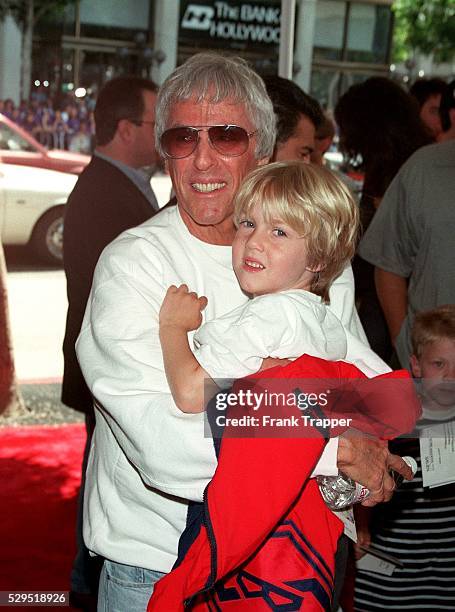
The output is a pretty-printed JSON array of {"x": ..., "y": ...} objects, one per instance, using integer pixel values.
[
  {"x": 314, "y": 202},
  {"x": 432, "y": 325}
]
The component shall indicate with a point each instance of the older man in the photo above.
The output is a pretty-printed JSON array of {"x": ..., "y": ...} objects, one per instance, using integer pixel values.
[
  {"x": 214, "y": 124},
  {"x": 112, "y": 194}
]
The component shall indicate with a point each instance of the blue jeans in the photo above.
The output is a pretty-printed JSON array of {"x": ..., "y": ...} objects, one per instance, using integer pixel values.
[{"x": 125, "y": 588}]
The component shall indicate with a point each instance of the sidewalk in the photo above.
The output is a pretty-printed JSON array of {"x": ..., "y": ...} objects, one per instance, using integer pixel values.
[{"x": 37, "y": 305}]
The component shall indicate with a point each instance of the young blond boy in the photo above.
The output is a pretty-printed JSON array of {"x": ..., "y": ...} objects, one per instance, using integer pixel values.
[
  {"x": 297, "y": 226},
  {"x": 296, "y": 231}
]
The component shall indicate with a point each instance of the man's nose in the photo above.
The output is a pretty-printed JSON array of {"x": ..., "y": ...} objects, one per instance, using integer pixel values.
[{"x": 205, "y": 154}]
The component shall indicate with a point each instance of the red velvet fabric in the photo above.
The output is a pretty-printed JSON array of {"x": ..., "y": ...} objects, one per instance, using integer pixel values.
[{"x": 40, "y": 471}]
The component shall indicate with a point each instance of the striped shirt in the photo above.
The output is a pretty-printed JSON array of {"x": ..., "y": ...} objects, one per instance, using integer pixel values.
[{"x": 417, "y": 527}]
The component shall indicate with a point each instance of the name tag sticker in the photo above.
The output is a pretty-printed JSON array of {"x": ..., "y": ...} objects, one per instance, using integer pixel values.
[
  {"x": 437, "y": 452},
  {"x": 378, "y": 562},
  {"x": 348, "y": 520}
]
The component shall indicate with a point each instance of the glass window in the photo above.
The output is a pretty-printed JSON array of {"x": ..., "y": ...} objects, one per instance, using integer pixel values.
[
  {"x": 328, "y": 29},
  {"x": 368, "y": 33},
  {"x": 350, "y": 78},
  {"x": 12, "y": 141},
  {"x": 115, "y": 19},
  {"x": 327, "y": 85},
  {"x": 324, "y": 86},
  {"x": 98, "y": 67}
]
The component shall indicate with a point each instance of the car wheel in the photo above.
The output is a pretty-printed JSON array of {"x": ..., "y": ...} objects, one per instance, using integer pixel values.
[{"x": 47, "y": 237}]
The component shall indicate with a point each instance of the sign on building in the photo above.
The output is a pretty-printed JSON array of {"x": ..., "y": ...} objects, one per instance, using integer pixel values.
[{"x": 231, "y": 23}]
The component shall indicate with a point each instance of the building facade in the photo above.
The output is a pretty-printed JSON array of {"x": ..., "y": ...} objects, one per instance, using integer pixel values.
[{"x": 336, "y": 42}]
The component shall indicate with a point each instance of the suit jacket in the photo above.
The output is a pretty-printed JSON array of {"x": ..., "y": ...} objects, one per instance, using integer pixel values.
[{"x": 103, "y": 204}]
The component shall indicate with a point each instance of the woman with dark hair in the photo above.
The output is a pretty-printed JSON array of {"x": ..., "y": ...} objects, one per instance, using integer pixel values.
[{"x": 380, "y": 127}]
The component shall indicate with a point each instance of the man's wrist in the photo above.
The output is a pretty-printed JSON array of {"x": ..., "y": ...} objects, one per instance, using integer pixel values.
[{"x": 327, "y": 464}]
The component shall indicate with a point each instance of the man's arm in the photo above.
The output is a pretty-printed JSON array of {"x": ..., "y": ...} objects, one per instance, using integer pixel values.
[
  {"x": 393, "y": 296},
  {"x": 120, "y": 356}
]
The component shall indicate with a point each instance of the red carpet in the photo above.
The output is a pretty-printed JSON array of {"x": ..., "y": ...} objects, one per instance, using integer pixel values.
[{"x": 40, "y": 469}]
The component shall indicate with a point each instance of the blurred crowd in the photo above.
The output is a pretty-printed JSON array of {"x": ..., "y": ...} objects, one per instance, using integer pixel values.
[{"x": 69, "y": 125}]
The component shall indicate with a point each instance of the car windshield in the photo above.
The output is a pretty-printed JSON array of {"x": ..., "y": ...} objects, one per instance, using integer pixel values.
[{"x": 11, "y": 141}]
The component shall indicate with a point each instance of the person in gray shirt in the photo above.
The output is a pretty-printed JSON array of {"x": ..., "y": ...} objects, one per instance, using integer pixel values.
[{"x": 411, "y": 241}]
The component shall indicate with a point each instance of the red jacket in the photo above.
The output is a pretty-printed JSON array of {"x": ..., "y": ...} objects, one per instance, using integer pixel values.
[{"x": 268, "y": 539}]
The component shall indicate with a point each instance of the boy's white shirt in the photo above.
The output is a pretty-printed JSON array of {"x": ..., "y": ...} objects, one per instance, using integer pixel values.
[
  {"x": 282, "y": 325},
  {"x": 150, "y": 457}
]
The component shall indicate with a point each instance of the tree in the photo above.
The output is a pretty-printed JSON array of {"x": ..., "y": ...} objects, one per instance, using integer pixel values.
[
  {"x": 426, "y": 27},
  {"x": 27, "y": 13},
  {"x": 10, "y": 399}
]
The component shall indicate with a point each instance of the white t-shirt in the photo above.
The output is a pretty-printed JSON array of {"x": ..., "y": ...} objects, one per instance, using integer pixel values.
[
  {"x": 282, "y": 325},
  {"x": 148, "y": 458}
]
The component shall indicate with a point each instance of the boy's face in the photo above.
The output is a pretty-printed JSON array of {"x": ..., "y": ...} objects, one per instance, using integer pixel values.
[
  {"x": 269, "y": 256},
  {"x": 436, "y": 368}
]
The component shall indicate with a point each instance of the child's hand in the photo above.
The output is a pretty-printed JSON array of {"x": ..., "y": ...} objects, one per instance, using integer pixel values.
[{"x": 183, "y": 309}]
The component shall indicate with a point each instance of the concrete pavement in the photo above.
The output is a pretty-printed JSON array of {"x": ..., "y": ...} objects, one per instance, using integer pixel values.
[{"x": 37, "y": 307}]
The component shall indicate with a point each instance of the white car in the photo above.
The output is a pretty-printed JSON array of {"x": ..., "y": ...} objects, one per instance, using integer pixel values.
[{"x": 32, "y": 202}]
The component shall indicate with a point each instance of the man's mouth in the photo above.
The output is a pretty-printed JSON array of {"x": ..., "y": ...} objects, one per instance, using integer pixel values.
[
  {"x": 207, "y": 187},
  {"x": 251, "y": 263}
]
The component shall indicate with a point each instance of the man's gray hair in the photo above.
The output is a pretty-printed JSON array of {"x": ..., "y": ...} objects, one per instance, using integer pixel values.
[{"x": 215, "y": 78}]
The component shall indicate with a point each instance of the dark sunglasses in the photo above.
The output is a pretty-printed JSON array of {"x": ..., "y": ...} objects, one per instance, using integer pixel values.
[{"x": 229, "y": 140}]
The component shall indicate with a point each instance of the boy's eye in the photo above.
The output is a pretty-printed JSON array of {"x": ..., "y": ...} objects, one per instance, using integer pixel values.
[
  {"x": 438, "y": 364},
  {"x": 279, "y": 232},
  {"x": 246, "y": 223}
]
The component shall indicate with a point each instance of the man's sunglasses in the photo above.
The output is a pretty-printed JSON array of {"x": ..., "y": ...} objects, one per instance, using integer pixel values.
[{"x": 228, "y": 140}]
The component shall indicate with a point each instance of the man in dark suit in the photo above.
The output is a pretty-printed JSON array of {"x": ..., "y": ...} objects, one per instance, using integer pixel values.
[{"x": 112, "y": 194}]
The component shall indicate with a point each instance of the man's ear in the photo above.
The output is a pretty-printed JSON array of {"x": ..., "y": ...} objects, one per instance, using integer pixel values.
[
  {"x": 415, "y": 366},
  {"x": 325, "y": 144},
  {"x": 124, "y": 129}
]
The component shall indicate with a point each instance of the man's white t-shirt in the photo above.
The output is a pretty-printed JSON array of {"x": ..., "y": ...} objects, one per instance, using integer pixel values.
[{"x": 147, "y": 457}]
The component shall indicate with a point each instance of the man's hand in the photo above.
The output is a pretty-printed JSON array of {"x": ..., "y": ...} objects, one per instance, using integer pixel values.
[
  {"x": 369, "y": 462},
  {"x": 182, "y": 308}
]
